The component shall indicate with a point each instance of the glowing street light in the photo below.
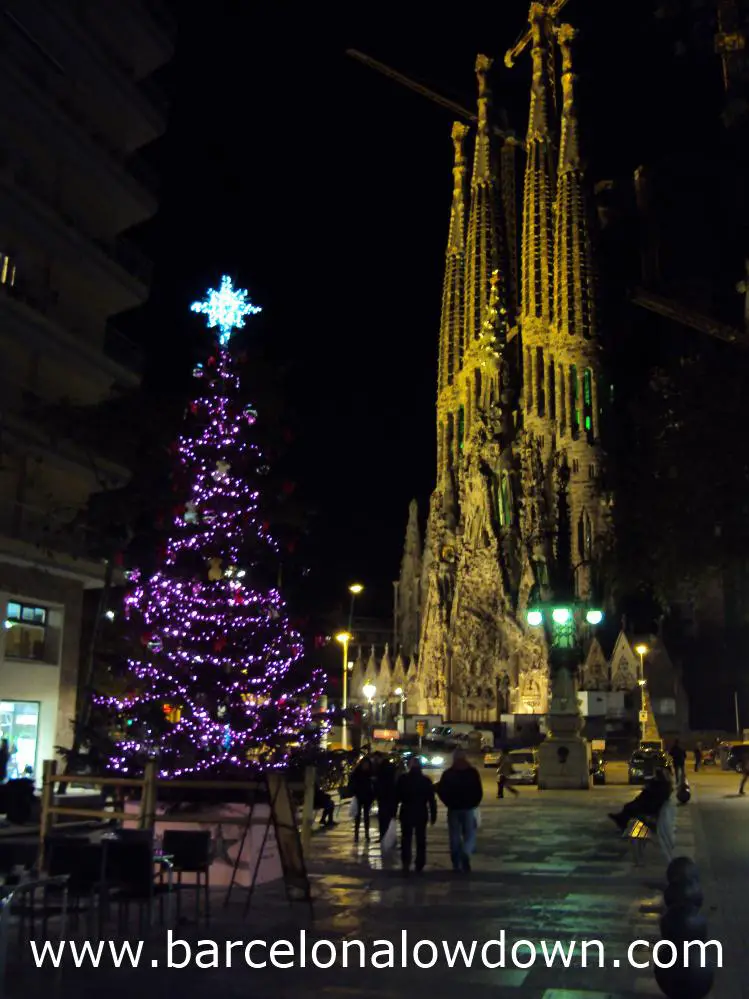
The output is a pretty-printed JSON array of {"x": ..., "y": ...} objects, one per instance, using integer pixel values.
[
  {"x": 344, "y": 637},
  {"x": 535, "y": 618},
  {"x": 642, "y": 650},
  {"x": 356, "y": 589},
  {"x": 560, "y": 615},
  {"x": 594, "y": 617},
  {"x": 369, "y": 690}
]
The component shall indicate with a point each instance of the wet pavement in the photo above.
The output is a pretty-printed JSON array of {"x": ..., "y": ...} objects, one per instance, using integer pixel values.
[{"x": 550, "y": 866}]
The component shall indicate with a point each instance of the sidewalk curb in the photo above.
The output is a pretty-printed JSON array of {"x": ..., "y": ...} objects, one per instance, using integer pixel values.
[{"x": 727, "y": 979}]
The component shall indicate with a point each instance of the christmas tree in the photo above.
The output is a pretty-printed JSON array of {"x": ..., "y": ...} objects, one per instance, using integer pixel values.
[{"x": 212, "y": 680}]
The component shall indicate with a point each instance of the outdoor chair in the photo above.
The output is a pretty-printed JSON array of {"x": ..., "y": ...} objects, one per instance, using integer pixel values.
[
  {"x": 190, "y": 853},
  {"x": 130, "y": 878},
  {"x": 81, "y": 860}
]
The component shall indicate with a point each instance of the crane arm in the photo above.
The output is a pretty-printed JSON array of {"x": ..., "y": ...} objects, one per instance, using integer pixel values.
[
  {"x": 553, "y": 9},
  {"x": 689, "y": 317},
  {"x": 418, "y": 88}
]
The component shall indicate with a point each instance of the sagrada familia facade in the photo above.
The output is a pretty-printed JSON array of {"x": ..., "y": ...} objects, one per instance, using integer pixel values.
[{"x": 520, "y": 509}]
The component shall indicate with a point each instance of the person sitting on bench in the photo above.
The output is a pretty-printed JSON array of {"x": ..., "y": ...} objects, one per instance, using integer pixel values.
[
  {"x": 326, "y": 803},
  {"x": 648, "y": 802}
]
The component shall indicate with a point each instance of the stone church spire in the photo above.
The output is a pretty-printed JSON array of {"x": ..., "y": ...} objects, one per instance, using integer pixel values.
[
  {"x": 452, "y": 293},
  {"x": 484, "y": 237},
  {"x": 576, "y": 344},
  {"x": 537, "y": 258},
  {"x": 409, "y": 587},
  {"x": 574, "y": 286}
]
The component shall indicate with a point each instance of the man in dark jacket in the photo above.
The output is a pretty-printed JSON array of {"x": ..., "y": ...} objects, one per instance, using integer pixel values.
[
  {"x": 460, "y": 791},
  {"x": 648, "y": 803},
  {"x": 679, "y": 756},
  {"x": 384, "y": 788},
  {"x": 414, "y": 792}
]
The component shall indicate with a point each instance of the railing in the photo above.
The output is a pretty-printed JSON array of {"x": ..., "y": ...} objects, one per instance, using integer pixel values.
[
  {"x": 148, "y": 786},
  {"x": 122, "y": 350},
  {"x": 124, "y": 253},
  {"x": 47, "y": 530}
]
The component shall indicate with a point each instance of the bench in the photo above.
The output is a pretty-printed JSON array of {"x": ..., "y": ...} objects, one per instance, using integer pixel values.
[{"x": 639, "y": 833}]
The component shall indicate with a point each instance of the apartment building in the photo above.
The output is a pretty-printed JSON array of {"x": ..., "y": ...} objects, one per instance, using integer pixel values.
[{"x": 78, "y": 103}]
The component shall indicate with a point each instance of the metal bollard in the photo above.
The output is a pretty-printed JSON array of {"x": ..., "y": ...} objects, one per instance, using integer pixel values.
[{"x": 683, "y": 922}]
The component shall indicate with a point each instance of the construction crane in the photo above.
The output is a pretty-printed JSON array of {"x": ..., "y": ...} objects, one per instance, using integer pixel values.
[
  {"x": 418, "y": 88},
  {"x": 687, "y": 316},
  {"x": 552, "y": 11}
]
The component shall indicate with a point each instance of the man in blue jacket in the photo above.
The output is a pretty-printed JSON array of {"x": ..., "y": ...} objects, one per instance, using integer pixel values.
[{"x": 460, "y": 791}]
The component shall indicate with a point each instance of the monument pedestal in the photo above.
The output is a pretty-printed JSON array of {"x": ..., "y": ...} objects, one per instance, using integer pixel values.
[{"x": 564, "y": 758}]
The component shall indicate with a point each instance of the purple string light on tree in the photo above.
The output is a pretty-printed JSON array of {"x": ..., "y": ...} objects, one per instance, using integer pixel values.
[{"x": 213, "y": 684}]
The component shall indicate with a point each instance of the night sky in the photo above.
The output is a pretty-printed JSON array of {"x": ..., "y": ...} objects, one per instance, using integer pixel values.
[{"x": 324, "y": 189}]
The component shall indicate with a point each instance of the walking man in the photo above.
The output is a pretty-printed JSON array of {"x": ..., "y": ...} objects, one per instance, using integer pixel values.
[
  {"x": 385, "y": 776},
  {"x": 460, "y": 791},
  {"x": 744, "y": 775},
  {"x": 414, "y": 793},
  {"x": 504, "y": 772},
  {"x": 679, "y": 756}
]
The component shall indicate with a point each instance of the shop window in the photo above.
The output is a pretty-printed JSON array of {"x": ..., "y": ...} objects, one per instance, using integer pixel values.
[
  {"x": 19, "y": 724},
  {"x": 26, "y": 631}
]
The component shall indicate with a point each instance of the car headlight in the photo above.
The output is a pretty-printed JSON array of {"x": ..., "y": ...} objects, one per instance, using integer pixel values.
[
  {"x": 424, "y": 760},
  {"x": 635, "y": 771},
  {"x": 437, "y": 761}
]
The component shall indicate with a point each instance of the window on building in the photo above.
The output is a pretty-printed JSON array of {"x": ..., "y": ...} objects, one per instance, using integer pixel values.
[
  {"x": 505, "y": 501},
  {"x": 574, "y": 401},
  {"x": 552, "y": 391},
  {"x": 461, "y": 427},
  {"x": 528, "y": 380},
  {"x": 588, "y": 403},
  {"x": 563, "y": 402},
  {"x": 575, "y": 466},
  {"x": 584, "y": 537},
  {"x": 7, "y": 270},
  {"x": 477, "y": 376},
  {"x": 25, "y": 631},
  {"x": 540, "y": 390},
  {"x": 19, "y": 724}
]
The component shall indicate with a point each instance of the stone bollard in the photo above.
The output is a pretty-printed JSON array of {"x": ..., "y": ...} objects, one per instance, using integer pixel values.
[{"x": 682, "y": 923}]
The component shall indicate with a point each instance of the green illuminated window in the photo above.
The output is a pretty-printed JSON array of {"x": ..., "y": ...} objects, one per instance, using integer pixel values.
[
  {"x": 461, "y": 427},
  {"x": 588, "y": 403}
]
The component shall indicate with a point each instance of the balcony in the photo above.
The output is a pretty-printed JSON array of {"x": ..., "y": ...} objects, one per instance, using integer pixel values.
[
  {"x": 30, "y": 315},
  {"x": 122, "y": 350},
  {"x": 118, "y": 251},
  {"x": 54, "y": 537}
]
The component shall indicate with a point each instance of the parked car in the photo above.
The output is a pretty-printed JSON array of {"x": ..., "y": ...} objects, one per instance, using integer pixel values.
[
  {"x": 598, "y": 769},
  {"x": 491, "y": 757},
  {"x": 524, "y": 766},
  {"x": 644, "y": 762}
]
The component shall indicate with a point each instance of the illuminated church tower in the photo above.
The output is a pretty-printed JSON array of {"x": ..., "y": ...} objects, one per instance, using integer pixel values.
[{"x": 518, "y": 499}]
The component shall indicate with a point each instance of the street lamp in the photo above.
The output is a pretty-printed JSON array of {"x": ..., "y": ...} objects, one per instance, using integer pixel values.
[
  {"x": 399, "y": 693},
  {"x": 344, "y": 637},
  {"x": 369, "y": 690},
  {"x": 355, "y": 589},
  {"x": 642, "y": 651}
]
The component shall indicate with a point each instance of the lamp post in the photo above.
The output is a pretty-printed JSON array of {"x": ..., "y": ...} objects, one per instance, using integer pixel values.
[
  {"x": 355, "y": 589},
  {"x": 344, "y": 637},
  {"x": 399, "y": 693},
  {"x": 564, "y": 757},
  {"x": 369, "y": 690},
  {"x": 642, "y": 651}
]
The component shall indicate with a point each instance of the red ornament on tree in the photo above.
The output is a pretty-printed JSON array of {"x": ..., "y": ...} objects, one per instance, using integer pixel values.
[{"x": 219, "y": 644}]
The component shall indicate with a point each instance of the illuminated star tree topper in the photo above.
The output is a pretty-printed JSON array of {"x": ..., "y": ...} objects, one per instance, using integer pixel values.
[{"x": 226, "y": 308}]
